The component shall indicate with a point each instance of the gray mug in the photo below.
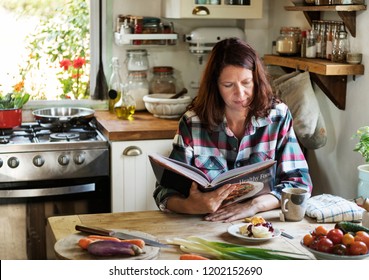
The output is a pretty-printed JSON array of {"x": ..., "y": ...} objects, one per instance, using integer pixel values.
[{"x": 293, "y": 203}]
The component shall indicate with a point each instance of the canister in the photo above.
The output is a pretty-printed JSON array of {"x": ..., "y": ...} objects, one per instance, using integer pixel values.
[
  {"x": 288, "y": 43},
  {"x": 137, "y": 60},
  {"x": 163, "y": 80}
]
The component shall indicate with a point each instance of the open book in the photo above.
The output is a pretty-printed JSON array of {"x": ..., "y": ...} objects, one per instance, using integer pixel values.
[{"x": 251, "y": 180}]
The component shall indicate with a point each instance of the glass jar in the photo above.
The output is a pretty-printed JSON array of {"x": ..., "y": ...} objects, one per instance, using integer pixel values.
[
  {"x": 136, "y": 60},
  {"x": 163, "y": 80},
  {"x": 340, "y": 45},
  {"x": 138, "y": 87},
  {"x": 288, "y": 43},
  {"x": 126, "y": 106}
]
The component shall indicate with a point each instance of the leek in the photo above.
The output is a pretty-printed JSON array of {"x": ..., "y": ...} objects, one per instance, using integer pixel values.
[{"x": 227, "y": 251}]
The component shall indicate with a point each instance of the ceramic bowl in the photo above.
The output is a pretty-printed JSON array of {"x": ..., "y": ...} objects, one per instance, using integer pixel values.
[
  {"x": 354, "y": 58},
  {"x": 162, "y": 106},
  {"x": 326, "y": 256}
]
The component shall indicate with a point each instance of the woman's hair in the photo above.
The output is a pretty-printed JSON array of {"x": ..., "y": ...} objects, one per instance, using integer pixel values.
[{"x": 209, "y": 104}]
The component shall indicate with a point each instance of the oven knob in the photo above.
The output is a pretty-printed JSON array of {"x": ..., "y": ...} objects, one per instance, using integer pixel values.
[
  {"x": 79, "y": 158},
  {"x": 1, "y": 162},
  {"x": 13, "y": 162},
  {"x": 38, "y": 161},
  {"x": 63, "y": 160}
]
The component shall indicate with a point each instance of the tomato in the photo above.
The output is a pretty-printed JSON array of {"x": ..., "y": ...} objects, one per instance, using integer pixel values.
[
  {"x": 320, "y": 230},
  {"x": 362, "y": 236},
  {"x": 335, "y": 235},
  {"x": 357, "y": 248},
  {"x": 339, "y": 249},
  {"x": 308, "y": 239},
  {"x": 347, "y": 239},
  {"x": 324, "y": 245}
]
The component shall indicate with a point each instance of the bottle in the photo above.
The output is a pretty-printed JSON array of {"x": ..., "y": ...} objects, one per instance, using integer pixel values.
[
  {"x": 329, "y": 44},
  {"x": 323, "y": 36},
  {"x": 138, "y": 87},
  {"x": 126, "y": 106},
  {"x": 340, "y": 45},
  {"x": 125, "y": 29},
  {"x": 318, "y": 38},
  {"x": 115, "y": 84},
  {"x": 310, "y": 45},
  {"x": 303, "y": 43},
  {"x": 138, "y": 28}
]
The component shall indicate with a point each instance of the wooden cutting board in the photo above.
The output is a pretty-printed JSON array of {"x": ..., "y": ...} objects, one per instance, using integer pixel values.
[{"x": 68, "y": 249}]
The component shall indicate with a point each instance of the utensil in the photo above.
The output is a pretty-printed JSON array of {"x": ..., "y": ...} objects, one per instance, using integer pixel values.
[
  {"x": 120, "y": 235},
  {"x": 286, "y": 235},
  {"x": 10, "y": 118},
  {"x": 179, "y": 94},
  {"x": 63, "y": 114}
]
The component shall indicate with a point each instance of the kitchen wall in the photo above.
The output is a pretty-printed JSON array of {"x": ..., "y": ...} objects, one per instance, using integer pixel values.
[{"x": 333, "y": 167}]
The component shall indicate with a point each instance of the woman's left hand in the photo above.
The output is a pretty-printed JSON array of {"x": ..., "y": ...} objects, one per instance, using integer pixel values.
[{"x": 249, "y": 208}]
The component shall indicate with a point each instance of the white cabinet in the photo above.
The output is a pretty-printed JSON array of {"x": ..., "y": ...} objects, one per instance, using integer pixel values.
[
  {"x": 132, "y": 178},
  {"x": 225, "y": 9}
]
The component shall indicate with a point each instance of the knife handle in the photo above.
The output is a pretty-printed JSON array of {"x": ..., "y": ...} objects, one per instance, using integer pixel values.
[{"x": 94, "y": 230}]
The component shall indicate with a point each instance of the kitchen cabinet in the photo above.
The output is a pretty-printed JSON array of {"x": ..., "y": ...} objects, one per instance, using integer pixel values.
[
  {"x": 223, "y": 10},
  {"x": 329, "y": 76},
  {"x": 132, "y": 178}
]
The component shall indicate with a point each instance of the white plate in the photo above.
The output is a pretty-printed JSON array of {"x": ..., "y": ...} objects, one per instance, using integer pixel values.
[{"x": 235, "y": 231}]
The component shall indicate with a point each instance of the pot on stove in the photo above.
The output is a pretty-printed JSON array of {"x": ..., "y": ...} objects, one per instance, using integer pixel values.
[
  {"x": 10, "y": 118},
  {"x": 60, "y": 115}
]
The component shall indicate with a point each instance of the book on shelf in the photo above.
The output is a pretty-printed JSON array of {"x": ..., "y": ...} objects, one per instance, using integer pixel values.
[{"x": 251, "y": 180}]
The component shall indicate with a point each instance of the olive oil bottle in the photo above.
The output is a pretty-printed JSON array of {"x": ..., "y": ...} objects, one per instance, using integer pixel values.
[
  {"x": 126, "y": 106},
  {"x": 115, "y": 85}
]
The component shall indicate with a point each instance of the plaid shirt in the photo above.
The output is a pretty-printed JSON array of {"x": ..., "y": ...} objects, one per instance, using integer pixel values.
[{"x": 217, "y": 151}]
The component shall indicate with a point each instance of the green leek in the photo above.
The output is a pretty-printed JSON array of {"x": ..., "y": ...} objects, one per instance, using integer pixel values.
[{"x": 227, "y": 251}]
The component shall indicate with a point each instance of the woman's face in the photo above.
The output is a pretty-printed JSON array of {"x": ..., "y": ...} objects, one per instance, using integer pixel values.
[{"x": 236, "y": 87}]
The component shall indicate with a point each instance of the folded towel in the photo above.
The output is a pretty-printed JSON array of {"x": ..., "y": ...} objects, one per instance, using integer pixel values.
[{"x": 327, "y": 208}]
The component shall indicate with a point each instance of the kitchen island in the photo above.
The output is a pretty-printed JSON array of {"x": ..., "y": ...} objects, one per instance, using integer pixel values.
[{"x": 164, "y": 226}]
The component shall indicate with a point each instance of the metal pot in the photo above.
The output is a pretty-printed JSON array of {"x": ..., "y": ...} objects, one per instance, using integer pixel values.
[
  {"x": 10, "y": 118},
  {"x": 63, "y": 115}
]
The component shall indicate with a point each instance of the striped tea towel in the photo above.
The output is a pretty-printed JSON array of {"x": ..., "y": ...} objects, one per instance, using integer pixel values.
[{"x": 327, "y": 208}]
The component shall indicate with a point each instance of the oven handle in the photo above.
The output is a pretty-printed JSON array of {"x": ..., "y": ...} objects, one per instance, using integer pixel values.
[{"x": 23, "y": 193}]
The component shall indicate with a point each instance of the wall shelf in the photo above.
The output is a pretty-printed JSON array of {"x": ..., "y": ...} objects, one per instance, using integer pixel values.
[
  {"x": 331, "y": 77},
  {"x": 120, "y": 39},
  {"x": 346, "y": 12}
]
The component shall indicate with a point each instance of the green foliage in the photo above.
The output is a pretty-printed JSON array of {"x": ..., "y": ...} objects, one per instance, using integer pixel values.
[
  {"x": 363, "y": 145},
  {"x": 61, "y": 35}
]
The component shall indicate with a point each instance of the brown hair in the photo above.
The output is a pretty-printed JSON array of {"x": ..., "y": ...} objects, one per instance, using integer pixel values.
[{"x": 208, "y": 104}]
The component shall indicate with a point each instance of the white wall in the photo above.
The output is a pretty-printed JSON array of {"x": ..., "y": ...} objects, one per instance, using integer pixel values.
[{"x": 333, "y": 167}]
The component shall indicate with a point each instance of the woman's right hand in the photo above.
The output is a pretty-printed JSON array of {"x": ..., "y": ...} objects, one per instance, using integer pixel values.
[{"x": 199, "y": 202}]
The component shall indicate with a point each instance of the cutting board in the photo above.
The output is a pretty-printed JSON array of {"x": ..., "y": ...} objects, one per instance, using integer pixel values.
[{"x": 68, "y": 249}]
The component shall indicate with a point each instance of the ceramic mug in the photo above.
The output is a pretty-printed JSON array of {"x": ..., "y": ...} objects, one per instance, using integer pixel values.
[{"x": 293, "y": 203}]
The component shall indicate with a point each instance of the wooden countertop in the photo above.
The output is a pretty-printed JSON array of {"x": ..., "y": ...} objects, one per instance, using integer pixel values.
[
  {"x": 144, "y": 127},
  {"x": 164, "y": 226}
]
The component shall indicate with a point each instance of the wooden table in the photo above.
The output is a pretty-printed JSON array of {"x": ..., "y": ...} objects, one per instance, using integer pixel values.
[{"x": 164, "y": 226}]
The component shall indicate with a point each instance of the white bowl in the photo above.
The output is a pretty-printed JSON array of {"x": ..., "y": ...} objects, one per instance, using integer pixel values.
[{"x": 161, "y": 106}]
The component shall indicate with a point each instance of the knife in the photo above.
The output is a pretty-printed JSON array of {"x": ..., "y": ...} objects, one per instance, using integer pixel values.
[{"x": 120, "y": 235}]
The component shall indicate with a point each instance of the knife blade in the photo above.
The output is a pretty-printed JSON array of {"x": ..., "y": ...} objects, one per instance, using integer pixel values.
[{"x": 120, "y": 235}]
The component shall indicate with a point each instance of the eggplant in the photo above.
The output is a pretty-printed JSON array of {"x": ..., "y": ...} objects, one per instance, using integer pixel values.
[{"x": 107, "y": 248}]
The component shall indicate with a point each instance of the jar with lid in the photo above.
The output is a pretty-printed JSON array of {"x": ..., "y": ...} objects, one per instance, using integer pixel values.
[
  {"x": 288, "y": 43},
  {"x": 136, "y": 60},
  {"x": 163, "y": 80},
  {"x": 138, "y": 87},
  {"x": 340, "y": 45}
]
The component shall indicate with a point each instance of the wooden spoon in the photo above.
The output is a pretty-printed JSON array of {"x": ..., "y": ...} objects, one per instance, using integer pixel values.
[{"x": 179, "y": 94}]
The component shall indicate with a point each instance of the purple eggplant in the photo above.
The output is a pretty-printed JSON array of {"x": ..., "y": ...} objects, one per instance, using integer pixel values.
[{"x": 106, "y": 248}]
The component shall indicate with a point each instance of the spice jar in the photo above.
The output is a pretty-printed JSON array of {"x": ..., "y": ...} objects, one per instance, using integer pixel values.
[
  {"x": 340, "y": 45},
  {"x": 288, "y": 43},
  {"x": 136, "y": 60},
  {"x": 163, "y": 80},
  {"x": 138, "y": 87}
]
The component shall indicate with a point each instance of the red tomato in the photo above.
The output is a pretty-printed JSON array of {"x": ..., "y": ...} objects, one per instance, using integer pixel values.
[
  {"x": 362, "y": 236},
  {"x": 335, "y": 235},
  {"x": 357, "y": 248},
  {"x": 324, "y": 245},
  {"x": 308, "y": 239}
]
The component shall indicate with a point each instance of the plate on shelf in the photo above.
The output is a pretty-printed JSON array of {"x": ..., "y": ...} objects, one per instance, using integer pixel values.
[{"x": 235, "y": 231}]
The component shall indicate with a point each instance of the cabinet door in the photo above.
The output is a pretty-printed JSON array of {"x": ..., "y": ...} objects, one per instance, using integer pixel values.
[
  {"x": 132, "y": 178},
  {"x": 225, "y": 9}
]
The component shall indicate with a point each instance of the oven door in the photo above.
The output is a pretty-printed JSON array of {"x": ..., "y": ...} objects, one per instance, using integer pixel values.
[{"x": 27, "y": 205}]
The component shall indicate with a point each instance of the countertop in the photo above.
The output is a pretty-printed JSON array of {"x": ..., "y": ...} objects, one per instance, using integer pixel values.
[
  {"x": 164, "y": 226},
  {"x": 144, "y": 127}
]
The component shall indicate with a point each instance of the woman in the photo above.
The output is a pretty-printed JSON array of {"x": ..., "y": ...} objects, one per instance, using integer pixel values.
[{"x": 235, "y": 120}]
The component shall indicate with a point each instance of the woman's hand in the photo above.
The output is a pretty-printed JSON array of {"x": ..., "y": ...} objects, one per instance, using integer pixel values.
[
  {"x": 199, "y": 202},
  {"x": 249, "y": 208}
]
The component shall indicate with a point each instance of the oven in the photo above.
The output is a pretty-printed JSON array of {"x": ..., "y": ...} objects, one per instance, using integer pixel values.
[{"x": 49, "y": 170}]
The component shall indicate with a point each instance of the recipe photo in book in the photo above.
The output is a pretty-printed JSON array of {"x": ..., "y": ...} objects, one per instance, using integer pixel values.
[{"x": 251, "y": 180}]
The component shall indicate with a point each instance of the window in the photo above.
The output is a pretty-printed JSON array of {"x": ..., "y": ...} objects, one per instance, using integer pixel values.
[{"x": 48, "y": 51}]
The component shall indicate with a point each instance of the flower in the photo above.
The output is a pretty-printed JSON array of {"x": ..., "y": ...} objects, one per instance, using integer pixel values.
[
  {"x": 363, "y": 145},
  {"x": 79, "y": 62},
  {"x": 65, "y": 63}
]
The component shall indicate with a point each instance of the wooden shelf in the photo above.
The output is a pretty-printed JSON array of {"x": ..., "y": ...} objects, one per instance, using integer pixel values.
[
  {"x": 331, "y": 77},
  {"x": 346, "y": 12}
]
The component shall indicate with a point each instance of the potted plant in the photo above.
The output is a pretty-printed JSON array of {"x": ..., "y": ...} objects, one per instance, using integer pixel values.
[
  {"x": 11, "y": 109},
  {"x": 362, "y": 147}
]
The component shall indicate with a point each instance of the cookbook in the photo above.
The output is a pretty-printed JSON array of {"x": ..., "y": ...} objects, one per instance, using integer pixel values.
[{"x": 251, "y": 180}]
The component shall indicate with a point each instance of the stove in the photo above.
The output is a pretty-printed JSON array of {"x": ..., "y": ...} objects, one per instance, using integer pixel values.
[{"x": 38, "y": 151}]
